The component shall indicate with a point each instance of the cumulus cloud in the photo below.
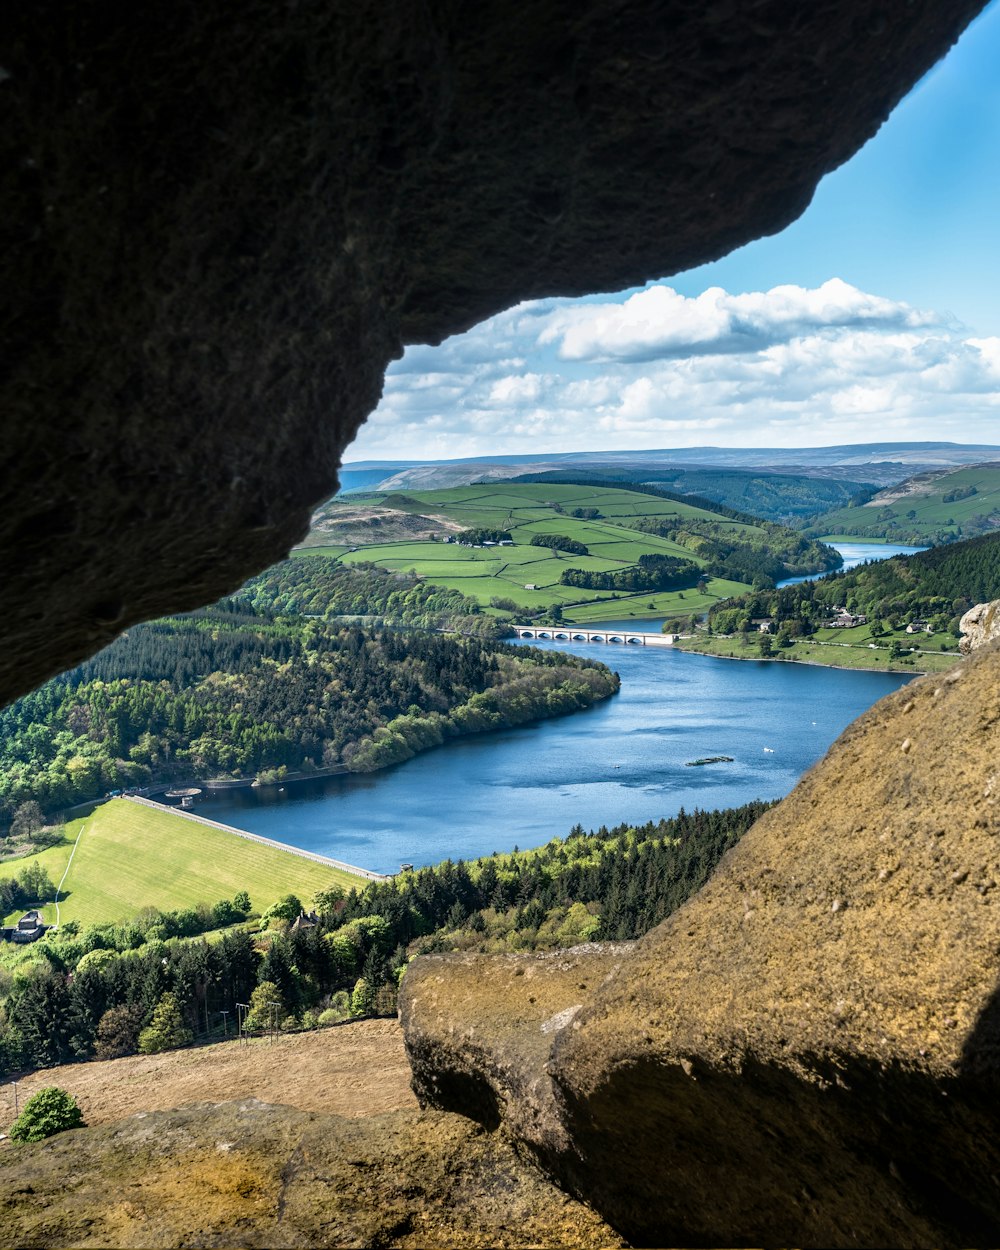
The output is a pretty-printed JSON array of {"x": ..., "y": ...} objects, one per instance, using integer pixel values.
[
  {"x": 659, "y": 323},
  {"x": 785, "y": 367}
]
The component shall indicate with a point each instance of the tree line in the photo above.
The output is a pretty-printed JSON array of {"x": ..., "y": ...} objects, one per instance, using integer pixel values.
[
  {"x": 476, "y": 537},
  {"x": 560, "y": 542},
  {"x": 322, "y": 586},
  {"x": 761, "y": 554},
  {"x": 651, "y": 573}
]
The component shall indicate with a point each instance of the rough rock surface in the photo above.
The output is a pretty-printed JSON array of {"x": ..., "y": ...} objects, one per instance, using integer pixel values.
[
  {"x": 254, "y": 1174},
  {"x": 479, "y": 1030},
  {"x": 808, "y": 1052},
  {"x": 979, "y": 626},
  {"x": 220, "y": 225}
]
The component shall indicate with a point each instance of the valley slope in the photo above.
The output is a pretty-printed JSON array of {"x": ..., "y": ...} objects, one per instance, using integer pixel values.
[
  {"x": 575, "y": 550},
  {"x": 938, "y": 506}
]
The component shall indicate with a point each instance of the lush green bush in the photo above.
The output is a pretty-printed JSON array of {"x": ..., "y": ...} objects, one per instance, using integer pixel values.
[
  {"x": 166, "y": 1030},
  {"x": 287, "y": 908},
  {"x": 49, "y": 1111},
  {"x": 267, "y": 1007}
]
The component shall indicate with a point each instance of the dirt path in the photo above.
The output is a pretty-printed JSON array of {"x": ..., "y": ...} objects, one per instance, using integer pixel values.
[{"x": 352, "y": 1070}]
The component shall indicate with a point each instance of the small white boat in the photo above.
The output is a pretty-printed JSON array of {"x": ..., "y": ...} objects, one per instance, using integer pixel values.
[{"x": 769, "y": 750}]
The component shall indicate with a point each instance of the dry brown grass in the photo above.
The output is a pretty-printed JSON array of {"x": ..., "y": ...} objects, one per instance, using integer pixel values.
[{"x": 354, "y": 1070}]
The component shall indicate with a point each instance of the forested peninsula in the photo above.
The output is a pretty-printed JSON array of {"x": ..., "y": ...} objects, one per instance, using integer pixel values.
[{"x": 273, "y": 682}]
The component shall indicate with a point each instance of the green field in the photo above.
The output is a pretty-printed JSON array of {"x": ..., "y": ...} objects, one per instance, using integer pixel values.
[
  {"x": 130, "y": 856},
  {"x": 841, "y": 648},
  {"x": 530, "y": 509},
  {"x": 678, "y": 603},
  {"x": 918, "y": 511}
]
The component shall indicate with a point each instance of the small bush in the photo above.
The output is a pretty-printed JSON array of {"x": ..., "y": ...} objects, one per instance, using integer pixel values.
[
  {"x": 166, "y": 1030},
  {"x": 49, "y": 1111},
  {"x": 118, "y": 1032}
]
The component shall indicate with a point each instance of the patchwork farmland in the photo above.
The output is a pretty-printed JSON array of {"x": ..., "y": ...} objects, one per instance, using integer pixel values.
[{"x": 526, "y": 576}]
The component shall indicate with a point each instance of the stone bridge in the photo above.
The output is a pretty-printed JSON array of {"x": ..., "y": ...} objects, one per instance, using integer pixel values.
[{"x": 575, "y": 633}]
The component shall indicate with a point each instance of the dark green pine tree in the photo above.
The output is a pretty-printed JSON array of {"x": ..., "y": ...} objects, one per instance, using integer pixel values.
[{"x": 43, "y": 1018}]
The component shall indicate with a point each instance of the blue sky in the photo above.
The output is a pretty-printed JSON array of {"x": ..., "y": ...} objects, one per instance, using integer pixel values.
[{"x": 875, "y": 316}]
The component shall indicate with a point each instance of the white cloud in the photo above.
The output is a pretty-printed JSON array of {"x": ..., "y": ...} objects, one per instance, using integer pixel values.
[
  {"x": 785, "y": 367},
  {"x": 658, "y": 323},
  {"x": 515, "y": 389}
]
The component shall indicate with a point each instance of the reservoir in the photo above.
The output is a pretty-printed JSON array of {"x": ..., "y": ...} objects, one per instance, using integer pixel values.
[{"x": 624, "y": 760}]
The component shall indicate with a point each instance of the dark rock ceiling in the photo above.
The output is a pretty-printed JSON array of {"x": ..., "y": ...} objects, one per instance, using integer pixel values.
[{"x": 221, "y": 223}]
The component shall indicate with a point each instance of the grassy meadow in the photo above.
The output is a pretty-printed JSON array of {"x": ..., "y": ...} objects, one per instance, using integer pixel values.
[
  {"x": 130, "y": 856},
  {"x": 841, "y": 648},
  {"x": 527, "y": 510}
]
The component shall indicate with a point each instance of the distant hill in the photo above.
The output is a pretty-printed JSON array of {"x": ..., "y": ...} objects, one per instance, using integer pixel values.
[
  {"x": 574, "y": 549},
  {"x": 935, "y": 586},
  {"x": 936, "y": 506},
  {"x": 784, "y": 498},
  {"x": 879, "y": 464}
]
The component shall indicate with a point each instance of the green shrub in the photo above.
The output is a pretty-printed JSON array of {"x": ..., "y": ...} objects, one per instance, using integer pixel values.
[
  {"x": 362, "y": 998},
  {"x": 286, "y": 908},
  {"x": 166, "y": 1030},
  {"x": 266, "y": 1007},
  {"x": 118, "y": 1032},
  {"x": 49, "y": 1111}
]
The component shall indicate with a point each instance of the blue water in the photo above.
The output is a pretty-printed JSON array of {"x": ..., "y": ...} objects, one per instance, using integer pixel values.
[
  {"x": 859, "y": 553},
  {"x": 623, "y": 760}
]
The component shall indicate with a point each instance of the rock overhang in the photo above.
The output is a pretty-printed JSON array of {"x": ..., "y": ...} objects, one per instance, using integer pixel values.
[{"x": 221, "y": 229}]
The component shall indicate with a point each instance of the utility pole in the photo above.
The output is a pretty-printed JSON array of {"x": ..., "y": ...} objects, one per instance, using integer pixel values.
[
  {"x": 241, "y": 1023},
  {"x": 225, "y": 1022},
  {"x": 15, "y": 1084}
]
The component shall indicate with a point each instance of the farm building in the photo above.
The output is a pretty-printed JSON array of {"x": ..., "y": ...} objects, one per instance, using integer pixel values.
[{"x": 28, "y": 929}]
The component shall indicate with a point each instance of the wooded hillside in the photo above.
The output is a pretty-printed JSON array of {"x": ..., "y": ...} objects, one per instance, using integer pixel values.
[
  {"x": 937, "y": 585},
  {"x": 233, "y": 691}
]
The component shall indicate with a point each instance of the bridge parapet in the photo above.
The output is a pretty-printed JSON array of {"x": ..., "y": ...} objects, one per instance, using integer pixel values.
[{"x": 626, "y": 638}]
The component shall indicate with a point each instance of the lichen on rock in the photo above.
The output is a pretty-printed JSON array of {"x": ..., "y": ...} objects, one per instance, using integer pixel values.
[
  {"x": 256, "y": 1174},
  {"x": 979, "y": 626}
]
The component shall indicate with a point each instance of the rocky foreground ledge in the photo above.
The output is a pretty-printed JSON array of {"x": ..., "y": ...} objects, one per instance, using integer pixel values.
[
  {"x": 808, "y": 1052},
  {"x": 251, "y": 1174}
]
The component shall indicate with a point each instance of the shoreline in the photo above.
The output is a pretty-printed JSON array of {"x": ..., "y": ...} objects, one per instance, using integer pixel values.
[{"x": 778, "y": 659}]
